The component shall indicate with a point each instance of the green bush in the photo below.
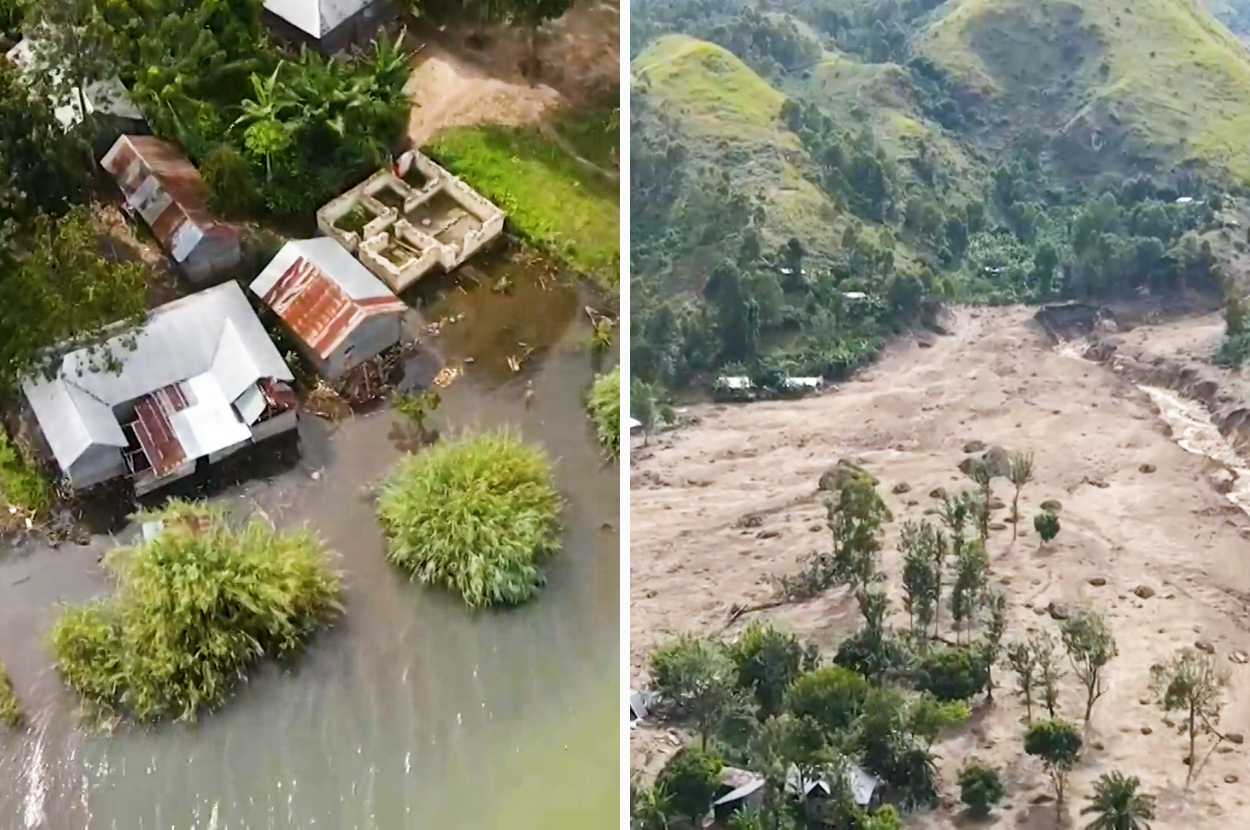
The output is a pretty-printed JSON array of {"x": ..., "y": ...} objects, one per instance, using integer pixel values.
[
  {"x": 980, "y": 787},
  {"x": 691, "y": 779},
  {"x": 194, "y": 610},
  {"x": 476, "y": 515},
  {"x": 605, "y": 409},
  {"x": 229, "y": 180},
  {"x": 21, "y": 485},
  {"x": 833, "y": 696},
  {"x": 10, "y": 714},
  {"x": 953, "y": 674},
  {"x": 1047, "y": 525}
]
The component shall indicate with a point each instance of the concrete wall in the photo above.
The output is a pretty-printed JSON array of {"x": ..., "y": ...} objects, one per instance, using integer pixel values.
[
  {"x": 285, "y": 422},
  {"x": 214, "y": 256}
]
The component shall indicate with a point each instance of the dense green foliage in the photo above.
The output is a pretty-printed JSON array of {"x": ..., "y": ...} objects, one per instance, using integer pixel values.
[
  {"x": 193, "y": 612},
  {"x": 1047, "y": 525},
  {"x": 953, "y": 673},
  {"x": 62, "y": 291},
  {"x": 605, "y": 409},
  {"x": 10, "y": 712},
  {"x": 690, "y": 779},
  {"x": 22, "y": 485},
  {"x": 553, "y": 201},
  {"x": 477, "y": 515},
  {"x": 980, "y": 787},
  {"x": 806, "y": 180}
]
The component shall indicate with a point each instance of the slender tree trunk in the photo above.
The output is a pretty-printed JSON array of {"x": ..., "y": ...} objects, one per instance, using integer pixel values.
[
  {"x": 1192, "y": 760},
  {"x": 1015, "y": 515}
]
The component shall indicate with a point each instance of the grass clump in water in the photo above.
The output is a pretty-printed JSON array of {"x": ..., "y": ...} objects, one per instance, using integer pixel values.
[
  {"x": 195, "y": 609},
  {"x": 605, "y": 409},
  {"x": 476, "y": 515},
  {"x": 10, "y": 713}
]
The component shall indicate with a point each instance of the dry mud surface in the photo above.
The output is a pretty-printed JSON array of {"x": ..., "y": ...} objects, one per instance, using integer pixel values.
[{"x": 999, "y": 380}]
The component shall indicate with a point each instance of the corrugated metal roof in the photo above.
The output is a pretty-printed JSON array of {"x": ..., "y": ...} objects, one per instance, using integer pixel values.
[
  {"x": 107, "y": 96},
  {"x": 316, "y": 17},
  {"x": 322, "y": 292},
  {"x": 165, "y": 188},
  {"x": 215, "y": 331}
]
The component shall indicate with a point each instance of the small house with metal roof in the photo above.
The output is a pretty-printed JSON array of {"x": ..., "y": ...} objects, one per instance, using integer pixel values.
[
  {"x": 162, "y": 186},
  {"x": 199, "y": 379},
  {"x": 328, "y": 25},
  {"x": 340, "y": 314}
]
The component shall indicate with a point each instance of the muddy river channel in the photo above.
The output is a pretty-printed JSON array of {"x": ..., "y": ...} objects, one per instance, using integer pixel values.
[{"x": 412, "y": 712}]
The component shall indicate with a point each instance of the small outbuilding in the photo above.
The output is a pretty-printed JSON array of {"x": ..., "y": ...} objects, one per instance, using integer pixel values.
[
  {"x": 340, "y": 314},
  {"x": 739, "y": 790},
  {"x": 328, "y": 26},
  {"x": 199, "y": 379},
  {"x": 162, "y": 186}
]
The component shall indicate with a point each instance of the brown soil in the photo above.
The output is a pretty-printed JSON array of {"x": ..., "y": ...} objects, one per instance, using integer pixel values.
[
  {"x": 999, "y": 380},
  {"x": 453, "y": 85}
]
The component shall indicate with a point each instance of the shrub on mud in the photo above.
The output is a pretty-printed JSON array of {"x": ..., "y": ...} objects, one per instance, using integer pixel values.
[
  {"x": 10, "y": 713},
  {"x": 476, "y": 515},
  {"x": 195, "y": 609},
  {"x": 605, "y": 409}
]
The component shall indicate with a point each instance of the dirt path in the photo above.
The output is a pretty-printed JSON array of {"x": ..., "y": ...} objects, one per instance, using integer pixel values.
[
  {"x": 996, "y": 380},
  {"x": 453, "y": 85}
]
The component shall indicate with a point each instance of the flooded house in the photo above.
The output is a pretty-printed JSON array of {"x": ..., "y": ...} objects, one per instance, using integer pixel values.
[
  {"x": 340, "y": 314},
  {"x": 739, "y": 790},
  {"x": 328, "y": 26},
  {"x": 162, "y": 186},
  {"x": 411, "y": 220},
  {"x": 107, "y": 99},
  {"x": 199, "y": 379}
]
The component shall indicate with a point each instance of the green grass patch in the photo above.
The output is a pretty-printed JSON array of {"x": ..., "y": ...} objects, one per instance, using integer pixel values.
[
  {"x": 10, "y": 713},
  {"x": 195, "y": 609},
  {"x": 605, "y": 409},
  {"x": 594, "y": 132},
  {"x": 553, "y": 201},
  {"x": 22, "y": 485},
  {"x": 476, "y": 515}
]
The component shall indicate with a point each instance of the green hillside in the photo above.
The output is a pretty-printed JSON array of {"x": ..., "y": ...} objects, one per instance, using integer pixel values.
[
  {"x": 1154, "y": 81},
  {"x": 787, "y": 153}
]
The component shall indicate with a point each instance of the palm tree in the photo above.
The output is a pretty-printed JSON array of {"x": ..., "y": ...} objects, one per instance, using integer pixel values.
[
  {"x": 1116, "y": 804},
  {"x": 1019, "y": 473}
]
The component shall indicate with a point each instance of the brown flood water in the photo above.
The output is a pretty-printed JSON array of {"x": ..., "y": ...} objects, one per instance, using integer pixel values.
[{"x": 412, "y": 712}]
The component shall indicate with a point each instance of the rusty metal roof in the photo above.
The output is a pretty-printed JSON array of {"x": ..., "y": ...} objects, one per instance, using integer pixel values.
[
  {"x": 320, "y": 305},
  {"x": 155, "y": 431},
  {"x": 175, "y": 198}
]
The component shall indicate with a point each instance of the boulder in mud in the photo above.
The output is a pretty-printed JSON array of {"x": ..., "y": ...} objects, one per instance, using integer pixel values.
[
  {"x": 937, "y": 493},
  {"x": 1052, "y": 506},
  {"x": 1144, "y": 591},
  {"x": 901, "y": 488},
  {"x": 996, "y": 459},
  {"x": 846, "y": 470},
  {"x": 1058, "y": 610},
  {"x": 974, "y": 446},
  {"x": 1147, "y": 468}
]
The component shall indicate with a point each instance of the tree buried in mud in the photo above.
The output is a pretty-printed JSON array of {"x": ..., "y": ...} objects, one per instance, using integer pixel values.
[
  {"x": 196, "y": 607},
  {"x": 476, "y": 515}
]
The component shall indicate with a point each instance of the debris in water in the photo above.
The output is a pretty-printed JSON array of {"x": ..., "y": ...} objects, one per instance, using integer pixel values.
[
  {"x": 529, "y": 393},
  {"x": 514, "y": 363},
  {"x": 446, "y": 376}
]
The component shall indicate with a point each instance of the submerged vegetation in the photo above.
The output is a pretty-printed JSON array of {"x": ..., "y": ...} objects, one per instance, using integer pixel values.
[
  {"x": 553, "y": 201},
  {"x": 477, "y": 515},
  {"x": 195, "y": 609},
  {"x": 10, "y": 712},
  {"x": 22, "y": 485},
  {"x": 605, "y": 409}
]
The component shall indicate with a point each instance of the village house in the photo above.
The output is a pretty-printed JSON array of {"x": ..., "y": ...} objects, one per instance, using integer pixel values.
[
  {"x": 340, "y": 314},
  {"x": 200, "y": 378},
  {"x": 107, "y": 99},
  {"x": 162, "y": 186},
  {"x": 328, "y": 26}
]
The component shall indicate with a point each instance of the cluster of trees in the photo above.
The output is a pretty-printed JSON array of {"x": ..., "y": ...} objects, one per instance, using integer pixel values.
[
  {"x": 1016, "y": 226},
  {"x": 771, "y": 704}
]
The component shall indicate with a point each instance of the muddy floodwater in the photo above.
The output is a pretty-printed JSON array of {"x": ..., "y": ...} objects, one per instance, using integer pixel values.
[{"x": 412, "y": 712}]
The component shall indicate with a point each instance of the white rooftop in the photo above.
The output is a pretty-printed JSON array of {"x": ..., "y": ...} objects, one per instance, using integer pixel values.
[{"x": 316, "y": 17}]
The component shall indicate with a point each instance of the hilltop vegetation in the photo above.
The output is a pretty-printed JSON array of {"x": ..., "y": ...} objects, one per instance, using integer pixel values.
[{"x": 791, "y": 155}]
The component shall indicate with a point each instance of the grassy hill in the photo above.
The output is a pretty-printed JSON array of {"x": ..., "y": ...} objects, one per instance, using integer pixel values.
[
  {"x": 988, "y": 150},
  {"x": 1124, "y": 85}
]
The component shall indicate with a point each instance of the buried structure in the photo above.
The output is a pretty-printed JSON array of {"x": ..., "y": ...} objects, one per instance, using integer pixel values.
[
  {"x": 410, "y": 220},
  {"x": 340, "y": 314},
  {"x": 199, "y": 379}
]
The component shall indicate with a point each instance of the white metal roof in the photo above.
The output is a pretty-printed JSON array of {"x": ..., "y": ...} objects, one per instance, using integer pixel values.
[
  {"x": 107, "y": 96},
  {"x": 210, "y": 335},
  {"x": 316, "y": 17},
  {"x": 332, "y": 259}
]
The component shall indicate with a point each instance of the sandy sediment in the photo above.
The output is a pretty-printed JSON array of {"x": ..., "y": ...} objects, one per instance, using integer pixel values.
[{"x": 1138, "y": 510}]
